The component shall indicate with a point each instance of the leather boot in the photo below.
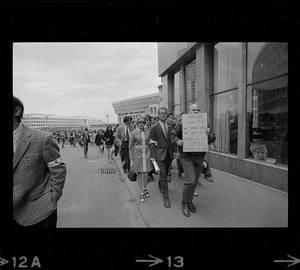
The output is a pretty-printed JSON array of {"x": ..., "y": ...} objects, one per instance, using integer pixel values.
[
  {"x": 192, "y": 207},
  {"x": 185, "y": 209}
]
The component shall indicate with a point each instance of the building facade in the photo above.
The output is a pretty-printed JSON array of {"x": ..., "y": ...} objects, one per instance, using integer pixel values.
[
  {"x": 42, "y": 121},
  {"x": 135, "y": 107},
  {"x": 243, "y": 88}
]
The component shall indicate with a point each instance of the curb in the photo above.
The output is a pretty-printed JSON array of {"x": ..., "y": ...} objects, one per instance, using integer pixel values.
[{"x": 119, "y": 169}]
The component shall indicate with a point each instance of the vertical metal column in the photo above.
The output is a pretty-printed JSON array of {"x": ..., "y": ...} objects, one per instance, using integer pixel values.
[
  {"x": 182, "y": 88},
  {"x": 243, "y": 123}
]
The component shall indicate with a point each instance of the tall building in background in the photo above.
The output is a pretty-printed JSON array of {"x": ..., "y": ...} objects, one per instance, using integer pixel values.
[{"x": 135, "y": 107}]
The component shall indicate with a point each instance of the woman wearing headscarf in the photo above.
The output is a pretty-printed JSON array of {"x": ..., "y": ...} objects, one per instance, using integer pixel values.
[{"x": 139, "y": 154}]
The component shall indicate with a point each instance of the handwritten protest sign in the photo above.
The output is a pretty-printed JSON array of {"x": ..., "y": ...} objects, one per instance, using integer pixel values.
[{"x": 194, "y": 132}]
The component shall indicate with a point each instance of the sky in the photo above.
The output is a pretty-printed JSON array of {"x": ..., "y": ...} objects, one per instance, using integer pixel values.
[{"x": 82, "y": 79}]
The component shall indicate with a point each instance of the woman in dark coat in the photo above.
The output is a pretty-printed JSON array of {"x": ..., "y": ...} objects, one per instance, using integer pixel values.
[
  {"x": 99, "y": 141},
  {"x": 109, "y": 141}
]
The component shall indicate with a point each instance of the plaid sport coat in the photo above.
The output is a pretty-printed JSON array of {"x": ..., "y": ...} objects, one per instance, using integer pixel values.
[{"x": 38, "y": 177}]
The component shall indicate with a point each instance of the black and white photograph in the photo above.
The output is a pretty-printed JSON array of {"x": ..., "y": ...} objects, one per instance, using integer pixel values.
[
  {"x": 151, "y": 135},
  {"x": 98, "y": 113}
]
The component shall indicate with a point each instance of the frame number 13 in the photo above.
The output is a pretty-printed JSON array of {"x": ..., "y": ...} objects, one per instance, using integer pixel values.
[{"x": 176, "y": 262}]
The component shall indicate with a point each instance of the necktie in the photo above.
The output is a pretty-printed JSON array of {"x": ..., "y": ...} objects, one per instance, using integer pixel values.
[
  {"x": 166, "y": 130},
  {"x": 127, "y": 134}
]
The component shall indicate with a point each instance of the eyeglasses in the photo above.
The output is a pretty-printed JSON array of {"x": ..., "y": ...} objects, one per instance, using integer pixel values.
[{"x": 141, "y": 122}]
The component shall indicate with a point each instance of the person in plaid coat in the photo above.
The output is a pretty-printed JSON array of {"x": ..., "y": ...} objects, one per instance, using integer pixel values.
[{"x": 39, "y": 174}]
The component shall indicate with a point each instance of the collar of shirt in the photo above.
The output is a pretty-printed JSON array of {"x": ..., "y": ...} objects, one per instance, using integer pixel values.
[{"x": 16, "y": 135}]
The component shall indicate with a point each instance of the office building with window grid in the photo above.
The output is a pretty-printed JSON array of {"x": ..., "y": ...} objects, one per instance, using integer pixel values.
[
  {"x": 243, "y": 88},
  {"x": 44, "y": 121},
  {"x": 135, "y": 107}
]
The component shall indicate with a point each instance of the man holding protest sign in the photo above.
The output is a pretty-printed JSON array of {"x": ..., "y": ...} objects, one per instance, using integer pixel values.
[{"x": 191, "y": 137}]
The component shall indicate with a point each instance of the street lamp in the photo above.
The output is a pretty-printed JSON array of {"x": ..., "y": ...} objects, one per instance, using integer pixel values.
[
  {"x": 47, "y": 120},
  {"x": 107, "y": 118}
]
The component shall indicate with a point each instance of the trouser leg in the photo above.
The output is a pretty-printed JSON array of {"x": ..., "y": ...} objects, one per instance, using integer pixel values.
[
  {"x": 192, "y": 170},
  {"x": 198, "y": 169},
  {"x": 164, "y": 168},
  {"x": 207, "y": 171},
  {"x": 127, "y": 159},
  {"x": 85, "y": 149}
]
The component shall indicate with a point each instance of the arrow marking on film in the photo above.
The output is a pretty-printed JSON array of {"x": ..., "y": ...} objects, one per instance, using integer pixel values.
[
  {"x": 3, "y": 261},
  {"x": 293, "y": 262},
  {"x": 154, "y": 262}
]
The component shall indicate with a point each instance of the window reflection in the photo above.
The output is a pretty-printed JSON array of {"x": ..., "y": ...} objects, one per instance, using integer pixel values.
[
  {"x": 226, "y": 122},
  {"x": 268, "y": 101},
  {"x": 227, "y": 64}
]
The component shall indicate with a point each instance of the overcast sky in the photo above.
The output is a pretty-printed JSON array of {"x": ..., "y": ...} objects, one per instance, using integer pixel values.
[{"x": 82, "y": 79}]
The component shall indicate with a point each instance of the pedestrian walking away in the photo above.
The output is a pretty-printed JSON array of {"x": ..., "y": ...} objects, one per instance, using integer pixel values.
[
  {"x": 123, "y": 138},
  {"x": 192, "y": 163},
  {"x": 161, "y": 150},
  {"x": 139, "y": 153},
  {"x": 86, "y": 140},
  {"x": 39, "y": 174}
]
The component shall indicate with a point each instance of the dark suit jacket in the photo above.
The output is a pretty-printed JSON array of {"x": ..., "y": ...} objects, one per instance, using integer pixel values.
[
  {"x": 159, "y": 149},
  {"x": 121, "y": 133},
  {"x": 86, "y": 138},
  {"x": 38, "y": 177}
]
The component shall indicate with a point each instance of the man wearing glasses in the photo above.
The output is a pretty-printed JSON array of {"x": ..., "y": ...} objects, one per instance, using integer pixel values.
[{"x": 162, "y": 151}]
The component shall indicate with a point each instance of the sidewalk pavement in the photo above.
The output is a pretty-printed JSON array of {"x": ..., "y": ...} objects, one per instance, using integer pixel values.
[{"x": 229, "y": 201}]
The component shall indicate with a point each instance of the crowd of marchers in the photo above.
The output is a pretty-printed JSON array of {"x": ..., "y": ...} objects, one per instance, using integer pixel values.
[{"x": 146, "y": 147}]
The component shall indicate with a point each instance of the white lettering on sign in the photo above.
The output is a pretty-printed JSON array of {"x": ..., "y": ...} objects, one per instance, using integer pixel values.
[{"x": 194, "y": 132}]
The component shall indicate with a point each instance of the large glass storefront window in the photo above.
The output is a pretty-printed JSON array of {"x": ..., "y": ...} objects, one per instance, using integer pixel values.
[
  {"x": 225, "y": 124},
  {"x": 267, "y": 101},
  {"x": 227, "y": 64}
]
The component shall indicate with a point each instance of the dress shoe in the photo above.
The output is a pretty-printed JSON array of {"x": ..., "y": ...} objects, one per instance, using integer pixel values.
[
  {"x": 185, "y": 209},
  {"x": 209, "y": 179},
  {"x": 167, "y": 203},
  {"x": 192, "y": 207}
]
